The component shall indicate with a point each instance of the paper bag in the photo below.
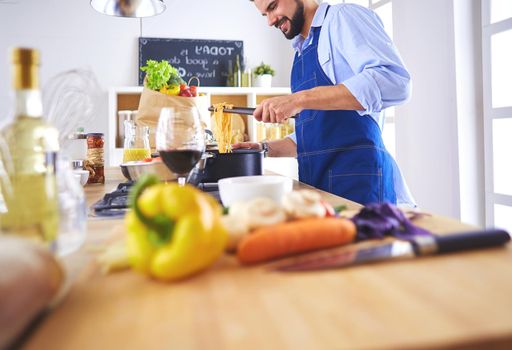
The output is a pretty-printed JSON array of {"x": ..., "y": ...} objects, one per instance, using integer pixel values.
[{"x": 151, "y": 102}]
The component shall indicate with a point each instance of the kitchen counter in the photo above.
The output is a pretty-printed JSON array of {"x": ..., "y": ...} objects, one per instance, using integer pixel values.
[{"x": 461, "y": 300}]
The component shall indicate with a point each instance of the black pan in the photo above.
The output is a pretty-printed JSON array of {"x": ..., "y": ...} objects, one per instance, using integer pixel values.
[{"x": 215, "y": 166}]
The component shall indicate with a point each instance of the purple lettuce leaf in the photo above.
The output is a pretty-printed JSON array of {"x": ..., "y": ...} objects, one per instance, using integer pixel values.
[{"x": 376, "y": 221}]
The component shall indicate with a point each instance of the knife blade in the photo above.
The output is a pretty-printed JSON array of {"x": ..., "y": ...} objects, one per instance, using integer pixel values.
[
  {"x": 239, "y": 110},
  {"x": 396, "y": 250}
]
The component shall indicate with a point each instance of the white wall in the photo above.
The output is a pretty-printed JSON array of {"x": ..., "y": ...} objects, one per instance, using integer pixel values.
[
  {"x": 70, "y": 34},
  {"x": 426, "y": 127}
]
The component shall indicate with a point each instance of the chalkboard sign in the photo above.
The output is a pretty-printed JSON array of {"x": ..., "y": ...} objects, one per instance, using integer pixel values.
[{"x": 206, "y": 59}]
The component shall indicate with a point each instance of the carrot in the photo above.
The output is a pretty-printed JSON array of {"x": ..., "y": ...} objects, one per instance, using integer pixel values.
[{"x": 293, "y": 237}]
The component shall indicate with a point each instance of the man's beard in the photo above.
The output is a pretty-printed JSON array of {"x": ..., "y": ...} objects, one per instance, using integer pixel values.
[{"x": 296, "y": 23}]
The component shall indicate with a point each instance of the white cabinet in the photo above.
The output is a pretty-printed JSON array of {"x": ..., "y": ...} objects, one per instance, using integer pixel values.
[{"x": 127, "y": 98}]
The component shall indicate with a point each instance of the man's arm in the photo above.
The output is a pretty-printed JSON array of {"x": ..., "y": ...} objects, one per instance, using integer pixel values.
[
  {"x": 278, "y": 148},
  {"x": 380, "y": 80},
  {"x": 278, "y": 109}
]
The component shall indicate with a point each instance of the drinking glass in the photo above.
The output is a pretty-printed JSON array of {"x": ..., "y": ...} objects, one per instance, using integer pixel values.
[{"x": 180, "y": 140}]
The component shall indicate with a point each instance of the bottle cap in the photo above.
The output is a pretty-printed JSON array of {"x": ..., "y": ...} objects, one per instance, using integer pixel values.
[
  {"x": 25, "y": 68},
  {"x": 25, "y": 56}
]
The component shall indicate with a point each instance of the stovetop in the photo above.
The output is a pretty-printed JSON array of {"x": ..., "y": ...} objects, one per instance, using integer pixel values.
[{"x": 115, "y": 203}]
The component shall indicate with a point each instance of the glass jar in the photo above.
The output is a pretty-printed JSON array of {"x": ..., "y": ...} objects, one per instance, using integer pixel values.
[
  {"x": 237, "y": 137},
  {"x": 273, "y": 131},
  {"x": 95, "y": 162},
  {"x": 72, "y": 209},
  {"x": 76, "y": 145},
  {"x": 136, "y": 142},
  {"x": 261, "y": 131},
  {"x": 122, "y": 116}
]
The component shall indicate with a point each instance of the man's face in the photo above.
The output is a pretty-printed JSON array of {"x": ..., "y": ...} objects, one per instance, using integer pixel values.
[{"x": 286, "y": 15}]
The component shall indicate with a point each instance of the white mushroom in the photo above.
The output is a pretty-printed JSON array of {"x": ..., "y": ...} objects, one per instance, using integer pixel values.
[
  {"x": 246, "y": 216},
  {"x": 263, "y": 212},
  {"x": 236, "y": 227},
  {"x": 303, "y": 204}
]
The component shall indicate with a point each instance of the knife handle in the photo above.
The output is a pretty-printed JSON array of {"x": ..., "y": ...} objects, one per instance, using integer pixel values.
[{"x": 471, "y": 240}]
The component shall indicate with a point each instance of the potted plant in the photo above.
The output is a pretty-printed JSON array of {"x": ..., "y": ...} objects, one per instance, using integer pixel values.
[{"x": 264, "y": 74}]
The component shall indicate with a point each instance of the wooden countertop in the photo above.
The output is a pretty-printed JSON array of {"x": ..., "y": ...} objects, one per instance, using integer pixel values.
[{"x": 455, "y": 301}]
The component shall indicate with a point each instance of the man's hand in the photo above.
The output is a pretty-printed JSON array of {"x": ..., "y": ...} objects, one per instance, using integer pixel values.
[
  {"x": 278, "y": 109},
  {"x": 246, "y": 145},
  {"x": 278, "y": 148}
]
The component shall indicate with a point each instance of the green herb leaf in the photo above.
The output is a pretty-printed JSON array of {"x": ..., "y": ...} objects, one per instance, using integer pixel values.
[
  {"x": 160, "y": 74},
  {"x": 264, "y": 69},
  {"x": 340, "y": 208}
]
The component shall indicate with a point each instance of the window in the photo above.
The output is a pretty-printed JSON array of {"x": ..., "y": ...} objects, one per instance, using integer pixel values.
[
  {"x": 382, "y": 7},
  {"x": 501, "y": 68},
  {"x": 497, "y": 73},
  {"x": 500, "y": 10}
]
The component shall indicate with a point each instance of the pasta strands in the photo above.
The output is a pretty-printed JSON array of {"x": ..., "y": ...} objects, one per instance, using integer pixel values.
[{"x": 223, "y": 127}]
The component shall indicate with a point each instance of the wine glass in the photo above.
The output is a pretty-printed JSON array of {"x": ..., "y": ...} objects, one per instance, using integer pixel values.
[{"x": 180, "y": 140}]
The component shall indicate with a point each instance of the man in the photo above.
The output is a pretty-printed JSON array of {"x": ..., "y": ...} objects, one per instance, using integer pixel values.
[{"x": 345, "y": 72}]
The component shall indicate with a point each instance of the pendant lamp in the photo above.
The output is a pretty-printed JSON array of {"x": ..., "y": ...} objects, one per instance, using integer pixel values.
[{"x": 129, "y": 8}]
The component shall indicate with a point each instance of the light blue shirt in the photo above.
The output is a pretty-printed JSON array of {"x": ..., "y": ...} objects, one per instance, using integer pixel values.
[{"x": 354, "y": 50}]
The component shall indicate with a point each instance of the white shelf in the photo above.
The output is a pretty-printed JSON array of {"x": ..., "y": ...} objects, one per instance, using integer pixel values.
[
  {"x": 114, "y": 155},
  {"x": 215, "y": 90}
]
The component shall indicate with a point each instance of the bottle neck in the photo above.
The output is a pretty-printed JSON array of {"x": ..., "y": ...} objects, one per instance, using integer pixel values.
[{"x": 29, "y": 103}]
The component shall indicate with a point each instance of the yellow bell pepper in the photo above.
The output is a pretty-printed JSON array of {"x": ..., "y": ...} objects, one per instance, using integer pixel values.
[
  {"x": 172, "y": 90},
  {"x": 172, "y": 231}
]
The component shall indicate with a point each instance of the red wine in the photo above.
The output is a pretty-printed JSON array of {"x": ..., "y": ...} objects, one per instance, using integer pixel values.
[{"x": 180, "y": 161}]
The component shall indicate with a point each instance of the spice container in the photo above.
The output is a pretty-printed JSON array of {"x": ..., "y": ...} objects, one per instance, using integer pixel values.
[
  {"x": 95, "y": 162},
  {"x": 77, "y": 145}
]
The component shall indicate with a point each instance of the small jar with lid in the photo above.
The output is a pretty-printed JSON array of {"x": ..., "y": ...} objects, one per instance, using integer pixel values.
[
  {"x": 77, "y": 145},
  {"x": 95, "y": 162}
]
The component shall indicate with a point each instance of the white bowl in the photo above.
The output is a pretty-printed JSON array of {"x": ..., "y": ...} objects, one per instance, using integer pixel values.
[
  {"x": 244, "y": 188},
  {"x": 81, "y": 175}
]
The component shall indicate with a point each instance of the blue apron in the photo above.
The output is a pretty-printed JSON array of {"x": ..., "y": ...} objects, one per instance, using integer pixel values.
[{"x": 340, "y": 152}]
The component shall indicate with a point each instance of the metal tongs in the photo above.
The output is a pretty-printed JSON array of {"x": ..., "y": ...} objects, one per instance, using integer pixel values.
[
  {"x": 236, "y": 110},
  {"x": 239, "y": 110}
]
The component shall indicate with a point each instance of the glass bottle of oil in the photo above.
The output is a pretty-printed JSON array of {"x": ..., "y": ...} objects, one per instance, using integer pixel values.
[
  {"x": 29, "y": 155},
  {"x": 237, "y": 73}
]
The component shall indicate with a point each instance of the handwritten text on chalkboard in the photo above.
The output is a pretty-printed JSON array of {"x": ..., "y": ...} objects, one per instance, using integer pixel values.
[{"x": 209, "y": 60}]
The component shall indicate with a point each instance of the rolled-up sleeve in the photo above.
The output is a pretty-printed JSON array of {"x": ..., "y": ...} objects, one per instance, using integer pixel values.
[
  {"x": 293, "y": 137},
  {"x": 379, "y": 78}
]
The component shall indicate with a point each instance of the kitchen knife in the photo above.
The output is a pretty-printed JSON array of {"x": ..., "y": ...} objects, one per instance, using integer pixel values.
[
  {"x": 419, "y": 246},
  {"x": 239, "y": 110}
]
